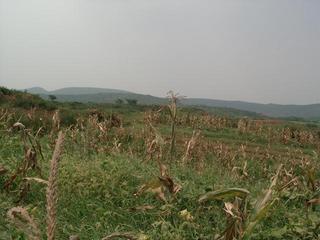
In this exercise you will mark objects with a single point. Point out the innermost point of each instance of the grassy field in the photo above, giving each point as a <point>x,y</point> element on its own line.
<point>134,172</point>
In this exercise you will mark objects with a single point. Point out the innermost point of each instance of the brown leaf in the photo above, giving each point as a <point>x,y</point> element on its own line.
<point>167,182</point>
<point>18,125</point>
<point>163,169</point>
<point>228,208</point>
<point>2,170</point>
<point>159,187</point>
<point>315,201</point>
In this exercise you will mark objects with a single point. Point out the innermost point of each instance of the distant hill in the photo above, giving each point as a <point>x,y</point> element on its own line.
<point>37,90</point>
<point>103,95</point>
<point>111,97</point>
<point>27,100</point>
<point>74,91</point>
<point>311,111</point>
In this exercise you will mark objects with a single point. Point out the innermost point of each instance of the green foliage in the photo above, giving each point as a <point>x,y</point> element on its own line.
<point>225,194</point>
<point>14,98</point>
<point>132,102</point>
<point>6,91</point>
<point>119,101</point>
<point>52,97</point>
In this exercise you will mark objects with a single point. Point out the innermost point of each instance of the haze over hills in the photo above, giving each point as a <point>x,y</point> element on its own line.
<point>104,95</point>
<point>74,90</point>
<point>310,111</point>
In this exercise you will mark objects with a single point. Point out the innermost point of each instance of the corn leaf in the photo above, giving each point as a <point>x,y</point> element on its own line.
<point>224,193</point>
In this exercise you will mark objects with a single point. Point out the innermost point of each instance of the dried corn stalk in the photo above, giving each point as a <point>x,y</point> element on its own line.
<point>52,189</point>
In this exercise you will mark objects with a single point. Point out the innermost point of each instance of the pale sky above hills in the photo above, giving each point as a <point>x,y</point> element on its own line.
<point>252,50</point>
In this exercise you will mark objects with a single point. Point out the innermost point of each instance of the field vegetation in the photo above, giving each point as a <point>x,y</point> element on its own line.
<point>125,171</point>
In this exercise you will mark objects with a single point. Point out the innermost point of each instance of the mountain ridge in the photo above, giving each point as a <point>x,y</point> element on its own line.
<point>106,95</point>
<point>74,90</point>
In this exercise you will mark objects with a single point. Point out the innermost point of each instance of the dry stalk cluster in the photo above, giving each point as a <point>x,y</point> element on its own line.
<point>190,147</point>
<point>97,133</point>
<point>20,217</point>
<point>32,151</point>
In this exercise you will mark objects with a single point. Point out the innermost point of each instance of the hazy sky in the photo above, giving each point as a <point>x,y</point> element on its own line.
<point>254,50</point>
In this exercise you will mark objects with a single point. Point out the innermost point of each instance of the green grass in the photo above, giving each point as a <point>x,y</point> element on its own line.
<point>96,197</point>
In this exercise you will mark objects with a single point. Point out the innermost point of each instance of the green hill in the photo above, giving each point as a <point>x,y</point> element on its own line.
<point>111,97</point>
<point>103,95</point>
<point>15,98</point>
<point>311,111</point>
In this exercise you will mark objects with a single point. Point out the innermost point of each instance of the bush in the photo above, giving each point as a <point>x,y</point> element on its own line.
<point>68,117</point>
<point>6,91</point>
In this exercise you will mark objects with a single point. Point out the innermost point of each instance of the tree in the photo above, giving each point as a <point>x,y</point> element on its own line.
<point>132,102</point>
<point>52,97</point>
<point>119,101</point>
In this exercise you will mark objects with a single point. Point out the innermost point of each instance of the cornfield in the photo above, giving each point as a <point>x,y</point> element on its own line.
<point>163,173</point>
